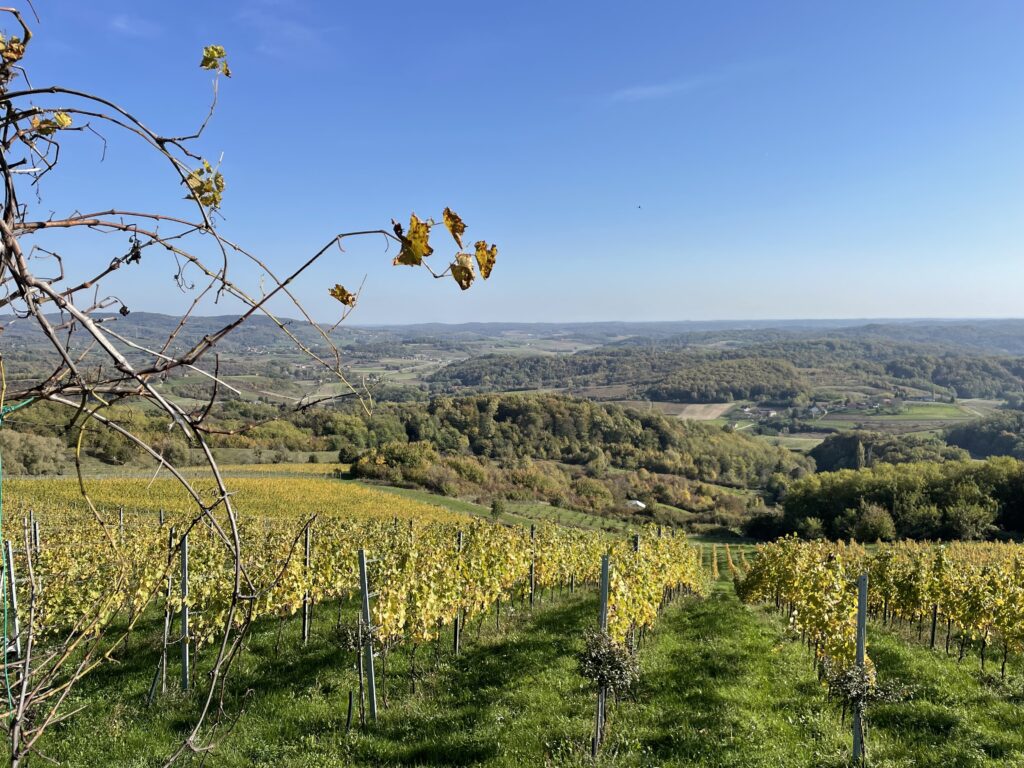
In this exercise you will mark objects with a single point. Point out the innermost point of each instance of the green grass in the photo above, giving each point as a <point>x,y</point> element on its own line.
<point>535,510</point>
<point>956,716</point>
<point>792,442</point>
<point>519,513</point>
<point>722,688</point>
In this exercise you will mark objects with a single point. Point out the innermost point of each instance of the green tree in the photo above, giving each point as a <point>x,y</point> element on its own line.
<point>874,523</point>
<point>498,507</point>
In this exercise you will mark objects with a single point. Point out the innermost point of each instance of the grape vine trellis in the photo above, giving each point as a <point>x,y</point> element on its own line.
<point>950,596</point>
<point>424,582</point>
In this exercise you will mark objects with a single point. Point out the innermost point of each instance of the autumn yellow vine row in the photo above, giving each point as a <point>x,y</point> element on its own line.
<point>95,567</point>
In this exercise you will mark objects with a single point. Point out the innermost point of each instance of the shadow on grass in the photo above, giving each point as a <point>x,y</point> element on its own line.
<point>451,724</point>
<point>699,662</point>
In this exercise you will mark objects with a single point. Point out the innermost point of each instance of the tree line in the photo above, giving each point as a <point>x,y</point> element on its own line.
<point>919,500</point>
<point>771,369</point>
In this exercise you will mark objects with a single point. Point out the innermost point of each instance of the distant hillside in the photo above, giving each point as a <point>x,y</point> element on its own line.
<point>1001,337</point>
<point>763,366</point>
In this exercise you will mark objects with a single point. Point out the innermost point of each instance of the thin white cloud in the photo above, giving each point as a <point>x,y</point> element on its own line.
<point>134,26</point>
<point>658,90</point>
<point>283,36</point>
<point>687,85</point>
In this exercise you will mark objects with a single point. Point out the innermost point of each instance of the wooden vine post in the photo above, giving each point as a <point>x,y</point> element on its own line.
<point>457,630</point>
<point>371,678</point>
<point>13,639</point>
<point>184,614</point>
<point>862,631</point>
<point>307,597</point>
<point>602,693</point>
<point>533,562</point>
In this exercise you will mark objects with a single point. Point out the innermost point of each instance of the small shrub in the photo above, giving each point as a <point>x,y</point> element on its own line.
<point>608,664</point>
<point>498,507</point>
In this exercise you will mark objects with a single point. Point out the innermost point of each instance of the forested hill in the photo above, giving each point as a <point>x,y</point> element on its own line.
<point>577,431</point>
<point>925,500</point>
<point>1001,434</point>
<point>974,337</point>
<point>662,374</point>
<point>566,451</point>
<point>771,369</point>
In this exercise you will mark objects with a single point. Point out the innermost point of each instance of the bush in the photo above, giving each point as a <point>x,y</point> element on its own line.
<point>498,507</point>
<point>25,454</point>
<point>966,520</point>
<point>765,526</point>
<point>608,664</point>
<point>811,528</point>
<point>874,523</point>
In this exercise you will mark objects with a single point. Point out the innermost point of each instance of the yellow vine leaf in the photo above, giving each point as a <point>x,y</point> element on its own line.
<point>215,58</point>
<point>343,295</point>
<point>50,125</point>
<point>206,185</point>
<point>11,49</point>
<point>462,270</point>
<point>455,225</point>
<point>415,243</point>
<point>485,257</point>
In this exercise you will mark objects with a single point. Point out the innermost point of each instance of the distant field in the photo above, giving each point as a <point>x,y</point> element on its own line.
<point>519,513</point>
<point>979,407</point>
<point>610,392</point>
<point>705,411</point>
<point>915,417</point>
<point>793,442</point>
<point>691,411</point>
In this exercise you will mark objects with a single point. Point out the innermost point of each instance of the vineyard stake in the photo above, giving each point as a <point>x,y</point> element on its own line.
<point>362,687</point>
<point>631,638</point>
<point>862,631</point>
<point>602,692</point>
<point>307,598</point>
<point>184,614</point>
<point>371,678</point>
<point>12,594</point>
<point>167,618</point>
<point>533,562</point>
<point>457,631</point>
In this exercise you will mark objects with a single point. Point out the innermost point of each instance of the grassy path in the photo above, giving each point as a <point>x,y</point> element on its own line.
<point>722,687</point>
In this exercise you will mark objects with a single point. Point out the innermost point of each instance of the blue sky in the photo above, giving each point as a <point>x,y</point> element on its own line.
<point>634,161</point>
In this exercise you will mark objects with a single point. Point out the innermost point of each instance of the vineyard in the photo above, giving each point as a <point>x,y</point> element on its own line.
<point>959,593</point>
<point>463,613</point>
<point>104,573</point>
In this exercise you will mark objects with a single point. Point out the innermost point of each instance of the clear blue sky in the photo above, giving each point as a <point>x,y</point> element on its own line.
<point>636,161</point>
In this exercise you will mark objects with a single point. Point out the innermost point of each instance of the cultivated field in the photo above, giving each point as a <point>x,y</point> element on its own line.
<point>692,411</point>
